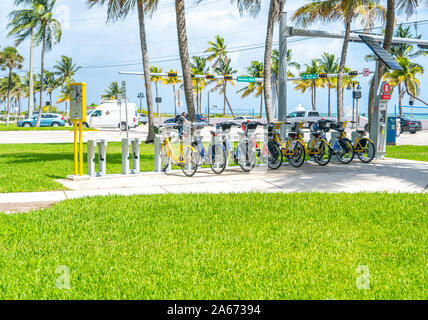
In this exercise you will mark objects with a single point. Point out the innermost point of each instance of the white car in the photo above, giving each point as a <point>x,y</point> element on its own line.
<point>241,120</point>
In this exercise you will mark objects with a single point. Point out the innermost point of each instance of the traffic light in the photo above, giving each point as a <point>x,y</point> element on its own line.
<point>322,75</point>
<point>228,77</point>
<point>172,75</point>
<point>193,76</point>
<point>353,73</point>
<point>209,76</point>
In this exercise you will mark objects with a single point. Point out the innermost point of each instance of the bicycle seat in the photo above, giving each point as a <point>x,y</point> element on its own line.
<point>361,131</point>
<point>340,129</point>
<point>213,133</point>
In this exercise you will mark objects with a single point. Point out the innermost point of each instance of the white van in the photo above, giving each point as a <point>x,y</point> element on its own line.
<point>111,114</point>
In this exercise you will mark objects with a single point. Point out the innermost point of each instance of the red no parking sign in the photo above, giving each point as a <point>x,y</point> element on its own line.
<point>366,72</point>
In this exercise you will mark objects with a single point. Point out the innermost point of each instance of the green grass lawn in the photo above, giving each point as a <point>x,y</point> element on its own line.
<point>235,246</point>
<point>408,152</point>
<point>34,167</point>
<point>14,127</point>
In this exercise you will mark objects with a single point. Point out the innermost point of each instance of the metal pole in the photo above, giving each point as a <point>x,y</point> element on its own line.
<point>358,114</point>
<point>208,106</point>
<point>282,95</point>
<point>353,105</point>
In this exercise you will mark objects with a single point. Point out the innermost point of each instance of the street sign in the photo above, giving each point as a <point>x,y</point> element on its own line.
<point>386,97</point>
<point>353,73</point>
<point>246,79</point>
<point>366,72</point>
<point>386,89</point>
<point>172,75</point>
<point>78,101</point>
<point>209,76</point>
<point>227,77</point>
<point>323,75</point>
<point>309,76</point>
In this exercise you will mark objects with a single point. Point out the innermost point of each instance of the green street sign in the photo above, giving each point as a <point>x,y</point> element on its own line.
<point>309,76</point>
<point>246,79</point>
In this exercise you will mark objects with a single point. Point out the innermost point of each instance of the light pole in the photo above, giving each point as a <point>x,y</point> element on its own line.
<point>356,96</point>
<point>141,96</point>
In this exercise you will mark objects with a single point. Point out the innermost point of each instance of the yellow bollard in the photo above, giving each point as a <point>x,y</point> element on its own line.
<point>81,146</point>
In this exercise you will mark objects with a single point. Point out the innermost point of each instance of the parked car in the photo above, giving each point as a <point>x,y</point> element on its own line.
<point>46,120</point>
<point>199,118</point>
<point>241,120</point>
<point>410,125</point>
<point>142,118</point>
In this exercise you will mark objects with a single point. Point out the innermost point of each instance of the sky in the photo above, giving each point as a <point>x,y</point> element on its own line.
<point>103,50</point>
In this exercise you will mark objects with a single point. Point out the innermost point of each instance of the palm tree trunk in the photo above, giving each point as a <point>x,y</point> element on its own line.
<point>9,85</point>
<point>50,101</point>
<point>315,98</point>
<point>268,61</point>
<point>224,97</point>
<point>146,66</point>
<point>342,63</point>
<point>389,33</point>
<point>400,99</point>
<point>413,96</point>
<point>261,105</point>
<point>230,107</point>
<point>184,57</point>
<point>329,100</point>
<point>31,82</point>
<point>19,106</point>
<point>42,70</point>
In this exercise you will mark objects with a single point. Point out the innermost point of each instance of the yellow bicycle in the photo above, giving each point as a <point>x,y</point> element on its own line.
<point>187,157</point>
<point>318,146</point>
<point>293,149</point>
<point>364,147</point>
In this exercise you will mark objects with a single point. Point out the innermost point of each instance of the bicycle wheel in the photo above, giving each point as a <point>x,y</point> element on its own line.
<point>276,156</point>
<point>324,156</point>
<point>247,160</point>
<point>166,159</point>
<point>368,151</point>
<point>298,159</point>
<point>219,159</point>
<point>190,161</point>
<point>346,154</point>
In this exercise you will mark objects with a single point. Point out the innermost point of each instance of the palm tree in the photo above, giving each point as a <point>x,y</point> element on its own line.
<point>347,11</point>
<point>217,51</point>
<point>406,77</point>
<point>224,68</point>
<point>173,81</point>
<point>10,59</point>
<point>275,12</point>
<point>65,69</point>
<point>184,57</point>
<point>199,67</point>
<point>119,9</point>
<point>47,30</point>
<point>51,85</point>
<point>255,70</point>
<point>156,79</point>
<point>31,35</point>
<point>113,91</point>
<point>329,64</point>
<point>303,85</point>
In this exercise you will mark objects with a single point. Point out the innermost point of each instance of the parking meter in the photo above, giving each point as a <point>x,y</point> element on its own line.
<point>378,130</point>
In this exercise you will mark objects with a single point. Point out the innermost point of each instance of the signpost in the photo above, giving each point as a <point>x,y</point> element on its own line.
<point>78,116</point>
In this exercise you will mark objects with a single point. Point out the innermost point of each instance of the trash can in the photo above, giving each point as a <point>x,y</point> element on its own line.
<point>393,130</point>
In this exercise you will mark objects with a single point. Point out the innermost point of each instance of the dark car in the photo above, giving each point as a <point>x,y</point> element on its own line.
<point>199,118</point>
<point>410,125</point>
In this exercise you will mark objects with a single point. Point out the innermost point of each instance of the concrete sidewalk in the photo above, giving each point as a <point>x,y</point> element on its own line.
<point>390,175</point>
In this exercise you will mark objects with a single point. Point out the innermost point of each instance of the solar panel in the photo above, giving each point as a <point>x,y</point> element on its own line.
<point>381,53</point>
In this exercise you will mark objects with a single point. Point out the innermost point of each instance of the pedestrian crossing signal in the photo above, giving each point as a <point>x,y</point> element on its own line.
<point>172,75</point>
<point>322,75</point>
<point>209,76</point>
<point>353,73</point>
<point>228,77</point>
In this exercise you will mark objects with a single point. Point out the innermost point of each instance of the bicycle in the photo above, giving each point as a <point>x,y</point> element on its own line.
<point>293,148</point>
<point>364,147</point>
<point>215,155</point>
<point>318,146</point>
<point>248,150</point>
<point>187,158</point>
<point>341,146</point>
